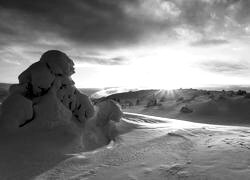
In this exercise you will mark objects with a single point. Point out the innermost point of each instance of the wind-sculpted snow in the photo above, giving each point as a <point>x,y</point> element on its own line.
<point>46,99</point>
<point>174,150</point>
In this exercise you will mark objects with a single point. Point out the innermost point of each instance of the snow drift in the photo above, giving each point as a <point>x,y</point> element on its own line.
<point>159,148</point>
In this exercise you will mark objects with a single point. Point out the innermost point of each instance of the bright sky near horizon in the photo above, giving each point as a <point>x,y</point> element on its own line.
<point>131,43</point>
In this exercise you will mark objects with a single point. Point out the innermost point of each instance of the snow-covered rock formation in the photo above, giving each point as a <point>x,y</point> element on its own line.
<point>46,98</point>
<point>46,95</point>
<point>101,128</point>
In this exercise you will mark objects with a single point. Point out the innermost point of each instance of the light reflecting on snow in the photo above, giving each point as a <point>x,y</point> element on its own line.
<point>147,121</point>
<point>159,122</point>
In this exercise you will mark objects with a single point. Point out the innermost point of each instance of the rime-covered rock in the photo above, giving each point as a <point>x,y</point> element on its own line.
<point>18,88</point>
<point>66,81</point>
<point>46,99</point>
<point>108,110</point>
<point>63,81</point>
<point>25,77</point>
<point>101,129</point>
<point>50,112</point>
<point>16,110</point>
<point>41,78</point>
<point>58,62</point>
<point>186,109</point>
<point>66,95</point>
<point>84,108</point>
<point>44,88</point>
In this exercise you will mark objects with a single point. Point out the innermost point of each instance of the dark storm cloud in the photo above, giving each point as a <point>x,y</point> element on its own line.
<point>98,22</point>
<point>239,68</point>
<point>38,25</point>
<point>210,42</point>
<point>89,21</point>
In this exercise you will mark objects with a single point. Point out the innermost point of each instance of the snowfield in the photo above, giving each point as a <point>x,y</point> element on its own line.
<point>161,148</point>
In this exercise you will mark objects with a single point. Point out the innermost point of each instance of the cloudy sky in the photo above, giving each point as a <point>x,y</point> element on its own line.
<point>134,43</point>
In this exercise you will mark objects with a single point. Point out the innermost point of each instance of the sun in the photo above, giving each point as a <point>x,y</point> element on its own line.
<point>165,68</point>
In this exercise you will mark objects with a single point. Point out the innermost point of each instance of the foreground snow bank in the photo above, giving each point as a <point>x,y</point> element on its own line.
<point>160,148</point>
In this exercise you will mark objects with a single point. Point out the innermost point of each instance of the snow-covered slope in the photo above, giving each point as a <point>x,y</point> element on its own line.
<point>213,107</point>
<point>161,148</point>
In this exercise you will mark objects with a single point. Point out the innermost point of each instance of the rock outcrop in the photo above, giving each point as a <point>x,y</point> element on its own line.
<point>186,109</point>
<point>101,128</point>
<point>46,99</point>
<point>16,110</point>
<point>45,96</point>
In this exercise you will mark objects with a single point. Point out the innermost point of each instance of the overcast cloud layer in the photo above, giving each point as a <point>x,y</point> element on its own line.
<point>84,27</point>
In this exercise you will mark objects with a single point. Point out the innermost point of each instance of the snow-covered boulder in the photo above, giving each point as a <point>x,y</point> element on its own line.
<point>50,112</point>
<point>84,107</point>
<point>186,109</point>
<point>58,62</point>
<point>44,88</point>
<point>50,90</point>
<point>16,110</point>
<point>46,99</point>
<point>25,76</point>
<point>66,95</point>
<point>41,78</point>
<point>101,129</point>
<point>64,80</point>
<point>18,88</point>
<point>108,110</point>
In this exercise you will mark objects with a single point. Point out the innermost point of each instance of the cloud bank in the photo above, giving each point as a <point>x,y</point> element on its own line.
<point>106,23</point>
<point>30,27</point>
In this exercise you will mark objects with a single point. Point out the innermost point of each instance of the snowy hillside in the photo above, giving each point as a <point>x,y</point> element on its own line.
<point>213,107</point>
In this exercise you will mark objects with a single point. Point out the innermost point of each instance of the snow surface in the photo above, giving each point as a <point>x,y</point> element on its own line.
<point>160,148</point>
<point>149,147</point>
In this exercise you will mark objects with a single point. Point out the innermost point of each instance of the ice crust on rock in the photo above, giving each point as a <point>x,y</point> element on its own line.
<point>41,78</point>
<point>50,112</point>
<point>83,112</point>
<point>16,110</point>
<point>101,128</point>
<point>46,98</point>
<point>18,88</point>
<point>108,110</point>
<point>58,62</point>
<point>46,89</point>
